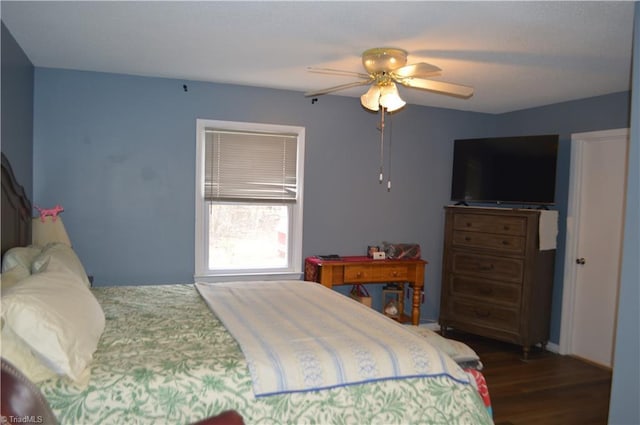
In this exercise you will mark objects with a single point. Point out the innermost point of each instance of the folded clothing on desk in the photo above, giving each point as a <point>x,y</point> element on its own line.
<point>408,251</point>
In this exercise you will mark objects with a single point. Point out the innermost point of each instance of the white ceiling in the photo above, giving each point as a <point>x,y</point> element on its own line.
<point>516,54</point>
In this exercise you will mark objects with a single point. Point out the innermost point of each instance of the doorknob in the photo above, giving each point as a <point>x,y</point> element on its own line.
<point>580,261</point>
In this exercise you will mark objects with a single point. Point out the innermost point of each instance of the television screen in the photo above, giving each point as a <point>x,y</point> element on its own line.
<point>518,170</point>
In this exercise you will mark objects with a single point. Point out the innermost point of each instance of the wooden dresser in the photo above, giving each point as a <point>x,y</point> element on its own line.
<point>495,281</point>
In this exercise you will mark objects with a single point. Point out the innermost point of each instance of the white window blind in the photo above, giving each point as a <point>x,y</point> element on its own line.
<point>250,166</point>
<point>245,166</point>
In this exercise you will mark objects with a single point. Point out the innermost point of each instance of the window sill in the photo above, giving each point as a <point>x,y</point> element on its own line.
<point>248,277</point>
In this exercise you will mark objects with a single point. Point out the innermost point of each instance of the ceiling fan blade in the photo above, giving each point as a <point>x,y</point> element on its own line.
<point>417,70</point>
<point>338,72</point>
<point>340,87</point>
<point>450,89</point>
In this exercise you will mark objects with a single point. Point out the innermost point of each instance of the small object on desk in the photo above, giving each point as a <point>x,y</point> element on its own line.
<point>329,257</point>
<point>372,249</point>
<point>401,250</point>
<point>379,255</point>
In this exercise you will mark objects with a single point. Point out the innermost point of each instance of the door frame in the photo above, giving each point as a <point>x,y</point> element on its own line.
<point>578,141</point>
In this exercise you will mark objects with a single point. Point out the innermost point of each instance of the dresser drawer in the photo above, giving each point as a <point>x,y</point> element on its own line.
<point>493,316</point>
<point>487,266</point>
<point>490,224</point>
<point>505,243</point>
<point>487,291</point>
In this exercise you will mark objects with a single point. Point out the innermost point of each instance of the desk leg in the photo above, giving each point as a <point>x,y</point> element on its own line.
<point>415,311</point>
<point>417,280</point>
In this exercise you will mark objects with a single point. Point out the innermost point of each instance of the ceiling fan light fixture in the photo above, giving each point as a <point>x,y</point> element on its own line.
<point>371,99</point>
<point>390,98</point>
<point>383,59</point>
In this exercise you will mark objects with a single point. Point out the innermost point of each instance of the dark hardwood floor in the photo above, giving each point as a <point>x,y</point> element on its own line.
<point>546,389</point>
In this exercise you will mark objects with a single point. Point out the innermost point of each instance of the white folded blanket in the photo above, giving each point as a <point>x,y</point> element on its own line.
<point>302,336</point>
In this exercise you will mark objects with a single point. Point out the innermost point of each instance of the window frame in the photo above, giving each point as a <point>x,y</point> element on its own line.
<point>294,269</point>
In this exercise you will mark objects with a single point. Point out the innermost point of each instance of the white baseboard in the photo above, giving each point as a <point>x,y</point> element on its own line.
<point>434,326</point>
<point>553,347</point>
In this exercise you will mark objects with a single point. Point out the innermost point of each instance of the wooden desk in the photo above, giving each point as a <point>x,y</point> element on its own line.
<point>350,270</point>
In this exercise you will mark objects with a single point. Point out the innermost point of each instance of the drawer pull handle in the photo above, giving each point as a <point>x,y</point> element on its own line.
<point>359,274</point>
<point>467,238</point>
<point>468,224</point>
<point>506,227</point>
<point>486,267</point>
<point>482,313</point>
<point>394,273</point>
<point>505,242</point>
<point>485,291</point>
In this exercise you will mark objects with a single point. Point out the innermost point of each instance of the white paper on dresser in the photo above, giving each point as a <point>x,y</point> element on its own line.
<point>548,229</point>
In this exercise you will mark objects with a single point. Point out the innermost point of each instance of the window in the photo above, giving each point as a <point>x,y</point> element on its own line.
<point>249,180</point>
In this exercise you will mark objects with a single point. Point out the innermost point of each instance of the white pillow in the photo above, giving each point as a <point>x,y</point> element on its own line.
<point>20,256</point>
<point>60,257</point>
<point>57,318</point>
<point>48,230</point>
<point>12,276</point>
<point>18,353</point>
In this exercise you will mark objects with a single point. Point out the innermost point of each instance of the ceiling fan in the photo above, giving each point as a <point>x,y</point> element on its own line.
<point>384,67</point>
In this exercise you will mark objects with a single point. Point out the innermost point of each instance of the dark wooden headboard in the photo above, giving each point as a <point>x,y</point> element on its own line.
<point>16,210</point>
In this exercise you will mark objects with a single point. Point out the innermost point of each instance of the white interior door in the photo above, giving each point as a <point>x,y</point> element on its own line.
<point>599,171</point>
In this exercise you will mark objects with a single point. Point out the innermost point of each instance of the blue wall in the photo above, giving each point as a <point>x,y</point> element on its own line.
<point>118,153</point>
<point>625,387</point>
<point>17,109</point>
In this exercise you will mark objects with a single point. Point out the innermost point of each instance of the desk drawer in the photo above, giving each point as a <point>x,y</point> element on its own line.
<point>378,273</point>
<point>393,273</point>
<point>490,224</point>
<point>505,243</point>
<point>359,274</point>
<point>488,266</point>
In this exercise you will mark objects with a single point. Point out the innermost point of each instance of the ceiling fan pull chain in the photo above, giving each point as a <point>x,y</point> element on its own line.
<point>381,177</point>
<point>390,144</point>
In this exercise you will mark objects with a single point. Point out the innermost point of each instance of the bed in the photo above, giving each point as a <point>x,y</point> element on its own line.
<point>166,353</point>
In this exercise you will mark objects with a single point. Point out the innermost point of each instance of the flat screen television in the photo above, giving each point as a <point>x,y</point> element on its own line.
<point>510,170</point>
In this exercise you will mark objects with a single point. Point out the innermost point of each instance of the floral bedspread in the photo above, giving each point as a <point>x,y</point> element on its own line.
<point>165,358</point>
